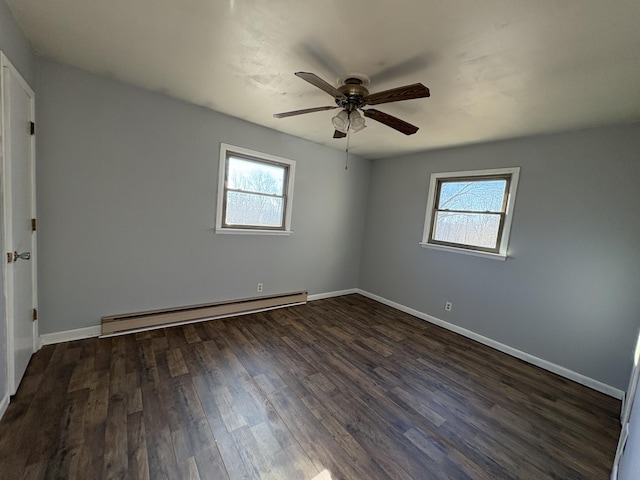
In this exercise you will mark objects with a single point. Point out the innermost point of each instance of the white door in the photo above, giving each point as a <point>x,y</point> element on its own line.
<point>18,182</point>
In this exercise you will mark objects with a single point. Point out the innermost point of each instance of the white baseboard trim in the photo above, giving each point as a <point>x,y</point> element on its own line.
<point>337,293</point>
<point>70,335</point>
<point>4,404</point>
<point>539,362</point>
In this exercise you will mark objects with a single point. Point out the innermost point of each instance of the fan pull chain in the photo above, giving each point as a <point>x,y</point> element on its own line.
<point>346,161</point>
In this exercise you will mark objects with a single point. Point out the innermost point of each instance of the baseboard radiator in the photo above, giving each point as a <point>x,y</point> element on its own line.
<point>131,322</point>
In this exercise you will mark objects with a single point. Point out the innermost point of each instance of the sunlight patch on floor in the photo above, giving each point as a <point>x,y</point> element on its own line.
<point>323,475</point>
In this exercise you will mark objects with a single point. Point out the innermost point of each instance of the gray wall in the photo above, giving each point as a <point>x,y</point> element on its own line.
<point>15,45</point>
<point>18,50</point>
<point>569,293</point>
<point>127,183</point>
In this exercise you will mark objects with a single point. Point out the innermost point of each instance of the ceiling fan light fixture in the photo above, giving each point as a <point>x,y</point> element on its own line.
<point>357,122</point>
<point>341,121</point>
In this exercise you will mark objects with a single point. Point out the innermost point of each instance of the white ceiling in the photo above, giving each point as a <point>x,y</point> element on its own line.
<point>496,68</point>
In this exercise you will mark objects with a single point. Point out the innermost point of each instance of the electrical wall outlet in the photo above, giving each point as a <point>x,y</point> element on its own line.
<point>259,287</point>
<point>447,306</point>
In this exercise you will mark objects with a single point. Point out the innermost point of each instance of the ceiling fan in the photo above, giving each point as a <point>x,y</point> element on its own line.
<point>351,95</point>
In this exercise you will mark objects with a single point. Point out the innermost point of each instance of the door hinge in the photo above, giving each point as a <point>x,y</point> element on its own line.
<point>33,128</point>
<point>9,257</point>
<point>35,314</point>
<point>34,224</point>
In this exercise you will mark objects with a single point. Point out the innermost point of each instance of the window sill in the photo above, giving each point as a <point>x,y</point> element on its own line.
<point>251,231</point>
<point>464,251</point>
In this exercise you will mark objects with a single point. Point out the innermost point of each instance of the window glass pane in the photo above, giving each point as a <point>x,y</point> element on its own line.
<point>478,229</point>
<point>254,210</point>
<point>255,177</point>
<point>474,196</point>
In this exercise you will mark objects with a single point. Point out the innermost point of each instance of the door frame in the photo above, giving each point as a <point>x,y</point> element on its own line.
<point>634,379</point>
<point>6,213</point>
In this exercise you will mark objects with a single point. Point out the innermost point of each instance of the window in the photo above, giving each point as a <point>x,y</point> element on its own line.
<point>471,212</point>
<point>255,192</point>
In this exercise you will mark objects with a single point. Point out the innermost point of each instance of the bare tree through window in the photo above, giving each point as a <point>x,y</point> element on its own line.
<point>471,210</point>
<point>255,193</point>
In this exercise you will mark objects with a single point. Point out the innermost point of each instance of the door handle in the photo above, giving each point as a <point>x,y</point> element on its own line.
<point>23,256</point>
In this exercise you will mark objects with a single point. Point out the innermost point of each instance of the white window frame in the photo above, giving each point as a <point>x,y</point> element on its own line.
<point>225,151</point>
<point>513,172</point>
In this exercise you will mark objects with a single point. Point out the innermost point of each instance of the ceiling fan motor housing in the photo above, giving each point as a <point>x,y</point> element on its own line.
<point>355,91</point>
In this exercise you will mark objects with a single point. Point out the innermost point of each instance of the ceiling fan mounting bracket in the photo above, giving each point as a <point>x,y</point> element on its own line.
<point>350,77</point>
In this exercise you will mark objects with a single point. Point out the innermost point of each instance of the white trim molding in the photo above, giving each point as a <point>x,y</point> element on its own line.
<point>445,248</point>
<point>634,379</point>
<point>4,404</point>
<point>70,335</point>
<point>337,293</point>
<point>539,362</point>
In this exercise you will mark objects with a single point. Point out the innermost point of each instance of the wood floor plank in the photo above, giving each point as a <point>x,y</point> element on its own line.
<point>64,461</point>
<point>48,406</point>
<point>186,416</point>
<point>224,451</point>
<point>161,455</point>
<point>137,457</point>
<point>338,389</point>
<point>314,439</point>
<point>116,461</point>
<point>188,469</point>
<point>210,464</point>
<point>92,451</point>
<point>293,462</point>
<point>176,362</point>
<point>148,366</point>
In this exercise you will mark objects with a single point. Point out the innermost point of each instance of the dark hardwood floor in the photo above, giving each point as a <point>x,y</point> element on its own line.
<point>343,388</point>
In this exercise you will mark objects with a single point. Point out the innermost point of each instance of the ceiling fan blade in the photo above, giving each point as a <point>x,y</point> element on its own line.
<point>408,92</point>
<point>391,121</point>
<point>303,111</point>
<point>339,134</point>
<point>316,81</point>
